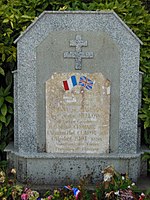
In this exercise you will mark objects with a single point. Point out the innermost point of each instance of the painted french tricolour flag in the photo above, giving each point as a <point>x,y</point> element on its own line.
<point>70,83</point>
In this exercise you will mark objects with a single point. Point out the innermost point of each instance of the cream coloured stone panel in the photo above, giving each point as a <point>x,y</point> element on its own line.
<point>77,121</point>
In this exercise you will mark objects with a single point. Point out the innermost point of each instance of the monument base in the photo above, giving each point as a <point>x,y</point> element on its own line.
<point>59,170</point>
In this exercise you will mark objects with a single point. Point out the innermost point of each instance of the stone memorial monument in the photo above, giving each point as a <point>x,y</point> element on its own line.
<point>76,95</point>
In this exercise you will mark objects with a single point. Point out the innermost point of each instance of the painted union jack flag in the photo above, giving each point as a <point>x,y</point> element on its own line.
<point>85,82</point>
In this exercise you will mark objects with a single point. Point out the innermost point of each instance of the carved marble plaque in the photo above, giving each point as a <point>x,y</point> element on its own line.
<point>77,120</point>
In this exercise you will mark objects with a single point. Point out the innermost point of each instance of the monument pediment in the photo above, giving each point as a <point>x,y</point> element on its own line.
<point>114,21</point>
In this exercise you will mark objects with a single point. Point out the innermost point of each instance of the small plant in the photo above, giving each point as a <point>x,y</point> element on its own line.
<point>8,187</point>
<point>117,186</point>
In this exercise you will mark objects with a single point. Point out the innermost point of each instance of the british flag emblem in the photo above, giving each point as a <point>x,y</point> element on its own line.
<point>86,82</point>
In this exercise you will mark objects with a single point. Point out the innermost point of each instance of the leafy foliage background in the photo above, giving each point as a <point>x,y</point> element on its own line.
<point>15,17</point>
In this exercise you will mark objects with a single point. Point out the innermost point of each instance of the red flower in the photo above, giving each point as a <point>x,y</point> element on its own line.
<point>142,196</point>
<point>24,196</point>
<point>50,197</point>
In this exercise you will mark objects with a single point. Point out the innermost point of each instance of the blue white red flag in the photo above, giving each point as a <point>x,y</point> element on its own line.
<point>76,191</point>
<point>70,83</point>
<point>68,187</point>
<point>85,82</point>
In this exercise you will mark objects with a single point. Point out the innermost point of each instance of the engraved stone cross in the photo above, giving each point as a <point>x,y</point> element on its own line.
<point>78,55</point>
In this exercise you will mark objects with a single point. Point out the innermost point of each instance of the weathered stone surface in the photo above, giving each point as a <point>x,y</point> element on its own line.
<point>77,121</point>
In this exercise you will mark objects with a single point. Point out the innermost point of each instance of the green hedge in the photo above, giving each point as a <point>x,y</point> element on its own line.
<point>15,17</point>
